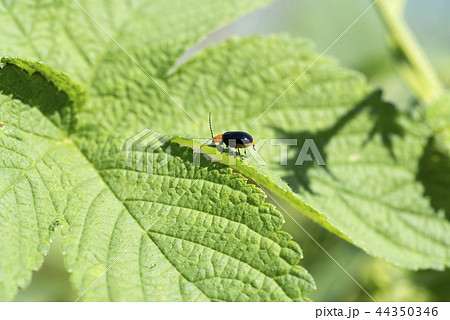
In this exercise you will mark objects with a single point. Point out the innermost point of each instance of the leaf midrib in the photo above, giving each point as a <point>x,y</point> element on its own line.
<point>174,205</point>
<point>69,141</point>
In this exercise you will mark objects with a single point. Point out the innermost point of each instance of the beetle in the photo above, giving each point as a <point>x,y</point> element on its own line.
<point>232,139</point>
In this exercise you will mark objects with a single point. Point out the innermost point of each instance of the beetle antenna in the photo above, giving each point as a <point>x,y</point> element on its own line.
<point>210,126</point>
<point>210,129</point>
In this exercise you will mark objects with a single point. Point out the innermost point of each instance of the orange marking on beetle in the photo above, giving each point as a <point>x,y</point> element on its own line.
<point>218,138</point>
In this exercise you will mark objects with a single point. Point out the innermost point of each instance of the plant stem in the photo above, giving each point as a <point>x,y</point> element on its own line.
<point>412,61</point>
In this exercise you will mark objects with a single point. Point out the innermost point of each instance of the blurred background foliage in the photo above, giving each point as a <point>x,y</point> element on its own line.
<point>363,48</point>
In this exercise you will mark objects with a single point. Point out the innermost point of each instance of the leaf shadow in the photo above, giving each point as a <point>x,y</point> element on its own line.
<point>434,175</point>
<point>385,124</point>
<point>37,91</point>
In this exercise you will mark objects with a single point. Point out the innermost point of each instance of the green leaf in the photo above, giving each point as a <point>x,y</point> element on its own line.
<point>156,33</point>
<point>368,189</point>
<point>38,165</point>
<point>181,232</point>
<point>220,241</point>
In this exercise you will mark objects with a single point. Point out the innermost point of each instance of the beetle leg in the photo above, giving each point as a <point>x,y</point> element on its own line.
<point>254,148</point>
